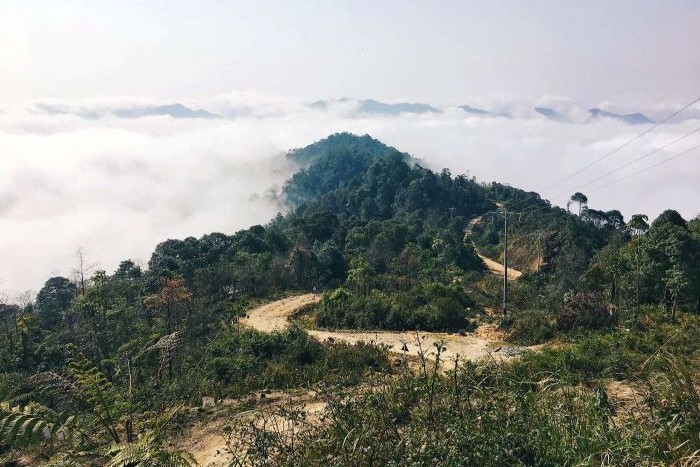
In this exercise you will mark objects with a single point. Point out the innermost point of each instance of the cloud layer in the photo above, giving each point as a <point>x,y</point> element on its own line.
<point>81,175</point>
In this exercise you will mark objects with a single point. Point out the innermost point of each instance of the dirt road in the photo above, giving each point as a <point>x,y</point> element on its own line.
<point>276,316</point>
<point>494,267</point>
<point>205,437</point>
<point>498,269</point>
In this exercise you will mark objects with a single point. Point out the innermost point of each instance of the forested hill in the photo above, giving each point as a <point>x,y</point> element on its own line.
<point>360,208</point>
<point>390,245</point>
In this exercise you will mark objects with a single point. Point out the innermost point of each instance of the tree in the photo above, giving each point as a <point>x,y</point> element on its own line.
<point>615,219</point>
<point>81,270</point>
<point>331,264</point>
<point>670,256</point>
<point>580,199</point>
<point>408,264</point>
<point>638,224</point>
<point>53,300</point>
<point>238,311</point>
<point>172,294</point>
<point>360,275</point>
<point>301,263</point>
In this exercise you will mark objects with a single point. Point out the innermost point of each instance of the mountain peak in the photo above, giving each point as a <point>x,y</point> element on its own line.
<point>631,119</point>
<point>551,114</point>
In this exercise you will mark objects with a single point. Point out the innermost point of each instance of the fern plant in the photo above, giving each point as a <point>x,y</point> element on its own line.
<point>147,451</point>
<point>37,424</point>
<point>31,424</point>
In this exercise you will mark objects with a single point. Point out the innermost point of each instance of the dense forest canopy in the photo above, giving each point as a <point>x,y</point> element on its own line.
<point>392,245</point>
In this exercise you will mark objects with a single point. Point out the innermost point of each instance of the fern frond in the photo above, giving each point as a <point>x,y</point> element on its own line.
<point>97,392</point>
<point>147,451</point>
<point>19,428</point>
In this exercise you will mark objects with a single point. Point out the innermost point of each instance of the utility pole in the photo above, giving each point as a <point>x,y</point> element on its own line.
<point>637,315</point>
<point>505,262</point>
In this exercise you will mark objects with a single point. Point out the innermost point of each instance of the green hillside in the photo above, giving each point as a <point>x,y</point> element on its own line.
<point>91,371</point>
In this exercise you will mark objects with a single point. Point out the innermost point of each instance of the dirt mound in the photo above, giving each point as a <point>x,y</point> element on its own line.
<point>491,332</point>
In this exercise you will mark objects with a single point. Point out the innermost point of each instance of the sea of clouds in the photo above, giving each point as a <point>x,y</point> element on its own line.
<point>76,175</point>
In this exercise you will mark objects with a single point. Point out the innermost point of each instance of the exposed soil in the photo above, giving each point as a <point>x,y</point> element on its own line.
<point>624,396</point>
<point>498,269</point>
<point>494,267</point>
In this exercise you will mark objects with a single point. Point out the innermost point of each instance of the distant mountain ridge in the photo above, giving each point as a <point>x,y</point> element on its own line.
<point>474,110</point>
<point>175,110</point>
<point>568,113</point>
<point>483,113</point>
<point>376,107</point>
<point>373,106</point>
<point>552,114</point>
<point>631,119</point>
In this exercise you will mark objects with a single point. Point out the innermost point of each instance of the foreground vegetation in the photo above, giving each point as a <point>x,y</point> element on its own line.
<point>548,408</point>
<point>96,368</point>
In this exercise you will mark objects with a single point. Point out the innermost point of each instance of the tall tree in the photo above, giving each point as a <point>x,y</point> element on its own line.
<point>580,199</point>
<point>53,300</point>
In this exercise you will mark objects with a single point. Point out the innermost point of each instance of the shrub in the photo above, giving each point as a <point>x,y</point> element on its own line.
<point>529,327</point>
<point>429,307</point>
<point>249,360</point>
<point>584,310</point>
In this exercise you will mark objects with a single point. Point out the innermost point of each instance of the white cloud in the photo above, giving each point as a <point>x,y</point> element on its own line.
<point>117,187</point>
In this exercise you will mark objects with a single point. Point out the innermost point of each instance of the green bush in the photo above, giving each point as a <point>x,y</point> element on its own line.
<point>584,310</point>
<point>429,307</point>
<point>250,360</point>
<point>529,327</point>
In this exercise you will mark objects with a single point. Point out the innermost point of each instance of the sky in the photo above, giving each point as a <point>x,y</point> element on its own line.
<point>115,187</point>
<point>437,51</point>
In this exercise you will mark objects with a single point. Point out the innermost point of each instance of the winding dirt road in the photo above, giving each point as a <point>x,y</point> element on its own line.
<point>276,316</point>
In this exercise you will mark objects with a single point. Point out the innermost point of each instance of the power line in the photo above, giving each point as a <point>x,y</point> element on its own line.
<point>608,154</point>
<point>648,168</point>
<point>624,166</point>
<point>604,156</point>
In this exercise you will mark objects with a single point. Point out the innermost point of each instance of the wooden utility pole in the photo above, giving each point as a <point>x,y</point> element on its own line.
<point>505,262</point>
